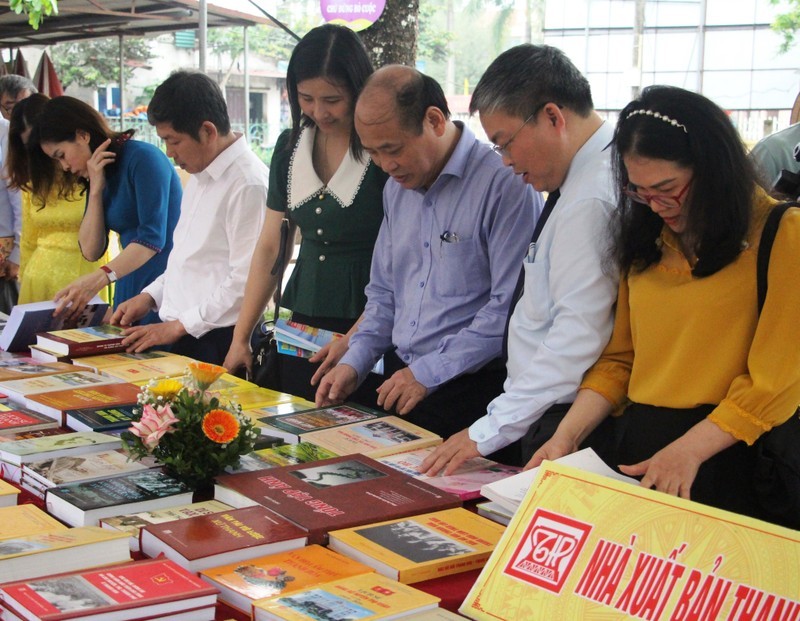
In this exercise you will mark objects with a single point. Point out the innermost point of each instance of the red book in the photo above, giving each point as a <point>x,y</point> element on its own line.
<point>152,588</point>
<point>205,541</point>
<point>333,493</point>
<point>88,341</point>
<point>56,403</point>
<point>18,420</point>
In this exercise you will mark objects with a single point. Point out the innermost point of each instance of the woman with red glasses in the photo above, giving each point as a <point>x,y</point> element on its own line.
<point>702,373</point>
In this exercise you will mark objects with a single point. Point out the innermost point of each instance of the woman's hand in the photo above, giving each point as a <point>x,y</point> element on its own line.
<point>96,164</point>
<point>239,355</point>
<point>73,298</point>
<point>554,448</point>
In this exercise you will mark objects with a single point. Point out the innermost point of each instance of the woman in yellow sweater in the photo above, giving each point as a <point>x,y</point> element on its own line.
<point>50,257</point>
<point>704,373</point>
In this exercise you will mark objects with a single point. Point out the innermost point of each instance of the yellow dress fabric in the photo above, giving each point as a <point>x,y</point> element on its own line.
<point>680,341</point>
<point>50,257</point>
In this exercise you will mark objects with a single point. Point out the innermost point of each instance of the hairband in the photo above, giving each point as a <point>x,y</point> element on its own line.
<point>658,115</point>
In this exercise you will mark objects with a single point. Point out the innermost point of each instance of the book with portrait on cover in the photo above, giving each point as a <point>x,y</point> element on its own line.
<point>156,588</point>
<point>229,536</point>
<point>242,583</point>
<point>333,493</point>
<point>84,503</point>
<point>421,547</point>
<point>366,597</point>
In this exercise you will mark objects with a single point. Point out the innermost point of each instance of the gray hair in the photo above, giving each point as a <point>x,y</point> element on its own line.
<point>13,85</point>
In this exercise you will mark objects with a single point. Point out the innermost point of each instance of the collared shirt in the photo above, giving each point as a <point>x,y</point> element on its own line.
<point>445,266</point>
<point>565,316</point>
<point>222,212</point>
<point>10,199</point>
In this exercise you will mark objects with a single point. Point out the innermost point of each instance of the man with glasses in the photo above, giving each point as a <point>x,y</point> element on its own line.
<point>456,223</point>
<point>537,109</point>
<point>13,88</point>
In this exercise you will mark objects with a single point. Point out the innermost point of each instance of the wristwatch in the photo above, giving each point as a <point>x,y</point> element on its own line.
<point>111,274</point>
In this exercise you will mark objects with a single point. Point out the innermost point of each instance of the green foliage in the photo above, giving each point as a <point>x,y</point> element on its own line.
<point>95,62</point>
<point>433,42</point>
<point>787,24</point>
<point>36,10</point>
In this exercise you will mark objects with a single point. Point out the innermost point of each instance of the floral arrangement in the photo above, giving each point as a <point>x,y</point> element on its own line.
<point>186,428</point>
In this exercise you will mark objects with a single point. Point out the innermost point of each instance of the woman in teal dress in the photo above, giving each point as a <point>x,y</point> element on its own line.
<point>132,189</point>
<point>325,184</point>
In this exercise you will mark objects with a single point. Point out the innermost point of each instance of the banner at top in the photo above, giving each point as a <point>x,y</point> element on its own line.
<point>355,15</point>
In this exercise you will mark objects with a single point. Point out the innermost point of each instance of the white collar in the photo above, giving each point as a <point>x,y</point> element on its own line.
<point>304,183</point>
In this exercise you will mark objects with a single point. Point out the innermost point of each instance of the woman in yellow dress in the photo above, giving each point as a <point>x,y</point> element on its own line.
<point>50,257</point>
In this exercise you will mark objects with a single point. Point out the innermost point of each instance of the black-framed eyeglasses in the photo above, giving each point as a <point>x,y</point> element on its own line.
<point>660,199</point>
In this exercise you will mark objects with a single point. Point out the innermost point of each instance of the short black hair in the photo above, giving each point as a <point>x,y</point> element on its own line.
<point>186,100</point>
<point>525,77</point>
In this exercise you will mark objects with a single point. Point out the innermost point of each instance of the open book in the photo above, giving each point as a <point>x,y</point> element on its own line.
<point>510,491</point>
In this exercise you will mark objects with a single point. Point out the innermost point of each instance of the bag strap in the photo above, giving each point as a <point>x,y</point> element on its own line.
<point>765,248</point>
<point>280,266</point>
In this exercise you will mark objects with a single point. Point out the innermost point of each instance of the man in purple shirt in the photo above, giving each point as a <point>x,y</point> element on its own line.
<point>456,226</point>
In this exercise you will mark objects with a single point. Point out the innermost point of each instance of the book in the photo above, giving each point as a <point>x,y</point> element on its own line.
<point>230,536</point>
<point>142,589</point>
<point>27,519</point>
<point>145,370</point>
<point>292,426</point>
<point>240,584</point>
<point>421,547</point>
<point>333,493</point>
<point>31,556</point>
<point>85,341</point>
<point>8,494</point>
<point>466,481</point>
<point>13,436</point>
<point>26,320</point>
<point>132,523</point>
<point>18,390</point>
<point>14,420</point>
<point>21,368</point>
<point>304,340</point>
<point>48,473</point>
<point>57,403</point>
<point>510,491</point>
<point>40,354</point>
<point>84,503</point>
<point>374,438</point>
<point>100,362</point>
<point>102,419</point>
<point>494,511</point>
<point>283,455</point>
<point>364,597</point>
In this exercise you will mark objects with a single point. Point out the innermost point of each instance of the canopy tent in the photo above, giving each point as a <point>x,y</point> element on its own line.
<point>91,19</point>
<point>46,79</point>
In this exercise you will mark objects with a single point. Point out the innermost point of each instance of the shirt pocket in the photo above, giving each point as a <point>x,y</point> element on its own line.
<point>536,300</point>
<point>461,269</point>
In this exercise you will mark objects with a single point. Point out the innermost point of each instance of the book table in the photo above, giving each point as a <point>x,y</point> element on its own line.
<point>450,589</point>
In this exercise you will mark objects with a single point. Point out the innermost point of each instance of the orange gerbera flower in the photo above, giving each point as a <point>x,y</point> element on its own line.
<point>205,374</point>
<point>220,426</point>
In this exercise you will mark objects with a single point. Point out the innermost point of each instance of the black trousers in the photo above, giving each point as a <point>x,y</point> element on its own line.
<point>212,347</point>
<point>724,481</point>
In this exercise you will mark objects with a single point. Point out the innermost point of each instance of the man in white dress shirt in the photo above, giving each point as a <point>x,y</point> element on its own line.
<point>536,107</point>
<point>199,295</point>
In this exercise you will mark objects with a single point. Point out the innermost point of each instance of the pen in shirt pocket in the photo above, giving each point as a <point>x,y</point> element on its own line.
<point>531,256</point>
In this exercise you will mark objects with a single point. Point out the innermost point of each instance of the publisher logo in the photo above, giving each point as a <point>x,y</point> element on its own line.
<point>548,550</point>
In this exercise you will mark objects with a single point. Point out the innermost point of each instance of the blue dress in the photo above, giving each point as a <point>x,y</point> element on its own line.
<point>141,201</point>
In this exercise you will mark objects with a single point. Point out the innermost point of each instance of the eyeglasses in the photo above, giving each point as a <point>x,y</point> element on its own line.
<point>659,199</point>
<point>502,149</point>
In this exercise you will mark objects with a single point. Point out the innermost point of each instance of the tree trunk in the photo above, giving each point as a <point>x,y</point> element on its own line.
<point>393,38</point>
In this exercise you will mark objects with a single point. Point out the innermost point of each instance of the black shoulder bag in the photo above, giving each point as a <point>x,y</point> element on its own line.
<point>266,364</point>
<point>777,468</point>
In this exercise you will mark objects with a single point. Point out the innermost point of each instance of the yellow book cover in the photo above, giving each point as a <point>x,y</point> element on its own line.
<point>8,494</point>
<point>584,546</point>
<point>421,547</point>
<point>88,334</point>
<point>240,584</point>
<point>36,555</point>
<point>21,520</point>
<point>374,438</point>
<point>144,370</point>
<point>252,396</point>
<point>365,597</point>
<point>105,361</point>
